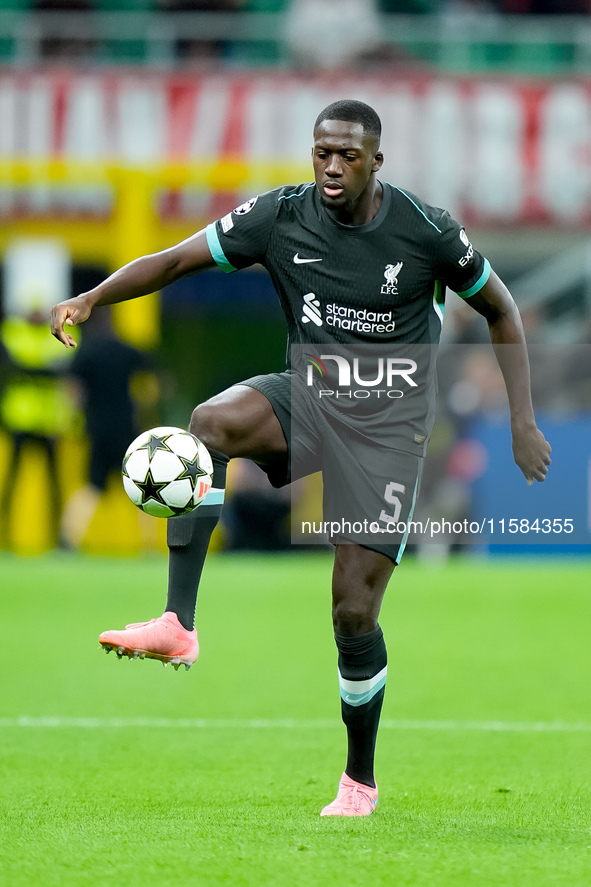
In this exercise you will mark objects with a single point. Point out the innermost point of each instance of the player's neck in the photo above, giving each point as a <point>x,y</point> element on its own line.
<point>365,208</point>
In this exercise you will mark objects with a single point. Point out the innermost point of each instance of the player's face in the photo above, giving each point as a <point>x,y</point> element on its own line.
<point>344,161</point>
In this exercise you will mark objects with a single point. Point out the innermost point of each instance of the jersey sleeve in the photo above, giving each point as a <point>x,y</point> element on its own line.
<point>457,264</point>
<point>240,238</point>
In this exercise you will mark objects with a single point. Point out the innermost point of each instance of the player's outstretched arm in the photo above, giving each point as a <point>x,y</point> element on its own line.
<point>140,277</point>
<point>530,448</point>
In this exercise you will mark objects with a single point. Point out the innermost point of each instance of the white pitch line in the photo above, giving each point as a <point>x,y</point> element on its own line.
<point>288,724</point>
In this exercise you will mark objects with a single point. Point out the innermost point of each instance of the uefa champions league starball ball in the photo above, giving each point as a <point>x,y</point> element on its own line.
<point>167,471</point>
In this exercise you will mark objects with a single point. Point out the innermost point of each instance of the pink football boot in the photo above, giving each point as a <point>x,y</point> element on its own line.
<point>353,799</point>
<point>163,638</point>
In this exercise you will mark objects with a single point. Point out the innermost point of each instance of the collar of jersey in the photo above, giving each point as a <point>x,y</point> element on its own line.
<point>369,226</point>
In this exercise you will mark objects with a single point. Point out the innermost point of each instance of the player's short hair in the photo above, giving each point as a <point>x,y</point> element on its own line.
<point>353,111</point>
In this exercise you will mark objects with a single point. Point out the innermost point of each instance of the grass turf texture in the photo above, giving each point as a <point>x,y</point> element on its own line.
<point>238,804</point>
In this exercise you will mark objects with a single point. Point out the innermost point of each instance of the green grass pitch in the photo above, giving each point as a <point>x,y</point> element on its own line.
<point>129,773</point>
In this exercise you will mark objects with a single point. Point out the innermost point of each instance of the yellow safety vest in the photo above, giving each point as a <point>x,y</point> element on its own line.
<point>31,403</point>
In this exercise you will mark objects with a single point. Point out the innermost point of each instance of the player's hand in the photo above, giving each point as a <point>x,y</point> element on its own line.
<point>531,452</point>
<point>68,313</point>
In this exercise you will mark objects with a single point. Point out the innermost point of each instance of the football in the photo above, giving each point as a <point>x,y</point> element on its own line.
<point>167,471</point>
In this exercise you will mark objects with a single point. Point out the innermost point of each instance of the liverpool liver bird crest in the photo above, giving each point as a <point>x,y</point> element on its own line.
<point>391,273</point>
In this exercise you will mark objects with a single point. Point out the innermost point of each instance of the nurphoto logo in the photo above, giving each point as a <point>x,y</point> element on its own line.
<point>388,371</point>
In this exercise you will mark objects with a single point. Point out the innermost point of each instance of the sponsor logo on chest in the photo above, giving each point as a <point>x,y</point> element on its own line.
<point>311,310</point>
<point>362,320</point>
<point>344,317</point>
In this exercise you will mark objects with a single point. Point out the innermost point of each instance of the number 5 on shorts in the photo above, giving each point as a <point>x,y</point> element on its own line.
<point>392,499</point>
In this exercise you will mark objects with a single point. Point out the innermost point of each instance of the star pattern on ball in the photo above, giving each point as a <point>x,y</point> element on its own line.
<point>126,459</point>
<point>192,470</point>
<point>151,490</point>
<point>155,443</point>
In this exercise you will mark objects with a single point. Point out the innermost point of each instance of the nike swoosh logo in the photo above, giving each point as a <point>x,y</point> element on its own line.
<point>358,699</point>
<point>299,261</point>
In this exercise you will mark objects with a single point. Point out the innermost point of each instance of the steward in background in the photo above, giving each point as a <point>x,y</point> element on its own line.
<point>35,407</point>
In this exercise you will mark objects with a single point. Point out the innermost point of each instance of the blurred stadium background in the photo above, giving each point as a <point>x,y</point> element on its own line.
<point>129,124</point>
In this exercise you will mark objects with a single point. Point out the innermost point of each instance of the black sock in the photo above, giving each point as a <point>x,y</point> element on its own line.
<point>188,539</point>
<point>362,676</point>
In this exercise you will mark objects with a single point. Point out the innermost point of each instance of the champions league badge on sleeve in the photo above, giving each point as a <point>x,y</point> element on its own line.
<point>245,208</point>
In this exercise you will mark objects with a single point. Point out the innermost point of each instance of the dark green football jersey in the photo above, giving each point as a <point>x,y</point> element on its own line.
<point>379,282</point>
<point>364,304</point>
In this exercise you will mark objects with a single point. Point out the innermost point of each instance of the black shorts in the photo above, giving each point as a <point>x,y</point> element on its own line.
<point>370,490</point>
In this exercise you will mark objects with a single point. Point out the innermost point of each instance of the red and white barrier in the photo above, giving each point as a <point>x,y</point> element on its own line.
<point>493,152</point>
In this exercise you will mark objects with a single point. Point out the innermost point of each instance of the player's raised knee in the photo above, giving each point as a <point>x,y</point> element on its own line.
<point>222,425</point>
<point>209,424</point>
